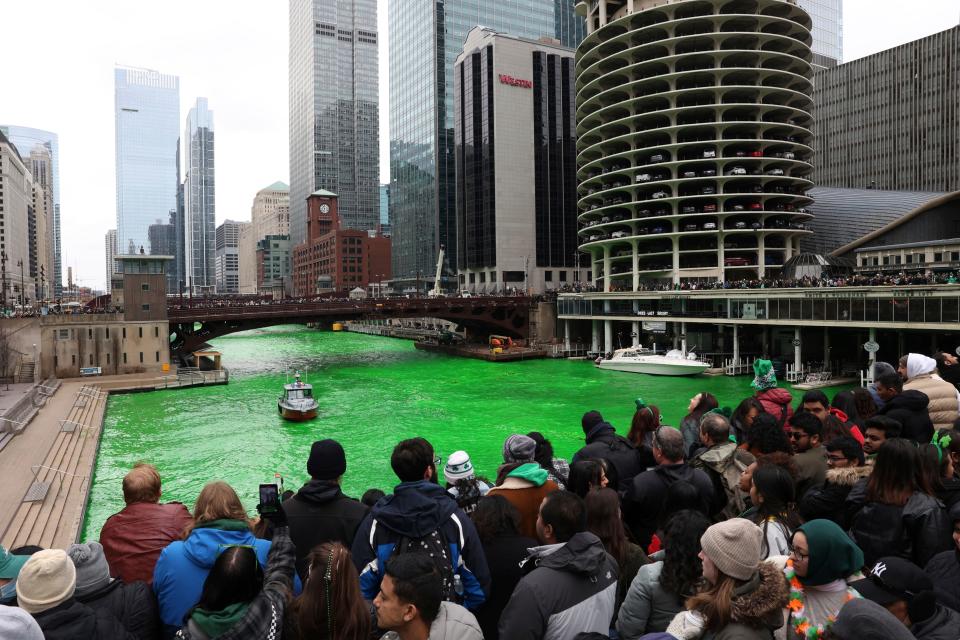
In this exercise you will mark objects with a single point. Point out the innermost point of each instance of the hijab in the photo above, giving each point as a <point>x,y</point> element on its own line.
<point>919,364</point>
<point>833,555</point>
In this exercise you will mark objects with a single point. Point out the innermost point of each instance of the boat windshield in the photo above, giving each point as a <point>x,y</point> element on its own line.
<point>298,394</point>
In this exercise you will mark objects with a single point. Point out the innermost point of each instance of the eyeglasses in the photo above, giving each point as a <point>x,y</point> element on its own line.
<point>799,556</point>
<point>834,459</point>
<point>797,435</point>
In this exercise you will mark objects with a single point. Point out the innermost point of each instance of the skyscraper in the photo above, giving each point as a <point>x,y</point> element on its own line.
<point>227,256</point>
<point>827,16</point>
<point>26,139</point>
<point>334,111</point>
<point>147,105</point>
<point>425,40</point>
<point>199,197</point>
<point>110,252</point>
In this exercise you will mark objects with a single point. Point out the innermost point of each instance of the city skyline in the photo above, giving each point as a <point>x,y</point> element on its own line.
<point>247,84</point>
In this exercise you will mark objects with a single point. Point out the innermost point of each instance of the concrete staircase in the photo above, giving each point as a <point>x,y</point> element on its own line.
<point>25,372</point>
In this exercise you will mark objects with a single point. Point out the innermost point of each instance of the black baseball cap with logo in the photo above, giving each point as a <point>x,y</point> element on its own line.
<point>892,579</point>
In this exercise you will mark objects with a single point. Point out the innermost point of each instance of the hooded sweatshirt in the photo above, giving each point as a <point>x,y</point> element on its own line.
<point>643,501</point>
<point>944,397</point>
<point>416,510</point>
<point>525,488</point>
<point>909,408</point>
<point>453,622</point>
<point>183,566</point>
<point>319,513</point>
<point>571,589</point>
<point>623,457</point>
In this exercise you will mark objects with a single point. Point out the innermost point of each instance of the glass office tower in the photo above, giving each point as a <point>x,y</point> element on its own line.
<point>334,112</point>
<point>147,105</point>
<point>827,16</point>
<point>425,40</point>
<point>199,197</point>
<point>25,139</point>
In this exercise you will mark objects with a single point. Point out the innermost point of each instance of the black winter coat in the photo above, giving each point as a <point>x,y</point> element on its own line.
<point>625,460</point>
<point>320,513</point>
<point>944,571</point>
<point>504,555</point>
<point>134,605</point>
<point>643,502</point>
<point>916,531</point>
<point>72,620</point>
<point>943,625</point>
<point>909,408</point>
<point>829,501</point>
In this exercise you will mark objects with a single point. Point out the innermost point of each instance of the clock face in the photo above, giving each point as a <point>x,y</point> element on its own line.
<point>324,208</point>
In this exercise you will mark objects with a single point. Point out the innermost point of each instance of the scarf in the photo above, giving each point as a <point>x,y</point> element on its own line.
<point>833,555</point>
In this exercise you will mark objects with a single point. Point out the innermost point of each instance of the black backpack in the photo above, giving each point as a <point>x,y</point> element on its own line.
<point>435,545</point>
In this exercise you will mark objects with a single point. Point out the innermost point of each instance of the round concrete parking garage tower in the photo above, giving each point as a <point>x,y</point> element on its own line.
<point>693,139</point>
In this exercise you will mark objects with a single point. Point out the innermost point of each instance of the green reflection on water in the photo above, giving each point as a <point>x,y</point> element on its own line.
<point>373,392</point>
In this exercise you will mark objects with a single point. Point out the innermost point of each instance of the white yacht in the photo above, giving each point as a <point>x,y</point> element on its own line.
<point>640,360</point>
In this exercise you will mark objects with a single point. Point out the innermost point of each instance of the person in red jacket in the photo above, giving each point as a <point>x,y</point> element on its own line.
<point>775,401</point>
<point>133,538</point>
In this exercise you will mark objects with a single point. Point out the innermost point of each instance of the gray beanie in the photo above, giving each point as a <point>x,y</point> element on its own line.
<point>519,448</point>
<point>93,572</point>
<point>734,546</point>
<point>17,624</point>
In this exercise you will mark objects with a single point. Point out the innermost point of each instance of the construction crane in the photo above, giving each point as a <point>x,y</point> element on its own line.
<point>436,292</point>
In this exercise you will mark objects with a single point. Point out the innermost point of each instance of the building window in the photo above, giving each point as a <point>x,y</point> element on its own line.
<point>156,332</point>
<point>563,276</point>
<point>56,361</point>
<point>90,334</point>
<point>140,329</point>
<point>141,357</point>
<point>909,258</point>
<point>158,356</point>
<point>107,330</point>
<point>144,286</point>
<point>124,333</point>
<point>63,334</point>
<point>108,358</point>
<point>938,257</point>
<point>73,359</point>
<point>91,359</point>
<point>124,357</point>
<point>548,276</point>
<point>145,307</point>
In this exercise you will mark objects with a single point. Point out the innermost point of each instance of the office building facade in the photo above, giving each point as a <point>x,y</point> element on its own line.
<point>694,141</point>
<point>269,215</point>
<point>199,194</point>
<point>827,31</point>
<point>891,120</point>
<point>110,253</point>
<point>385,209</point>
<point>425,40</point>
<point>272,269</point>
<point>514,127</point>
<point>16,211</point>
<point>30,141</point>
<point>227,259</point>
<point>164,242</point>
<point>334,112</point>
<point>147,122</point>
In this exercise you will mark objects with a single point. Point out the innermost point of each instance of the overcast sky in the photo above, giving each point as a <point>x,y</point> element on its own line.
<point>57,74</point>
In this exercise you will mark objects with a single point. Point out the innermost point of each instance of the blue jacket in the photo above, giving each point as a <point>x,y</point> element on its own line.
<point>415,510</point>
<point>183,567</point>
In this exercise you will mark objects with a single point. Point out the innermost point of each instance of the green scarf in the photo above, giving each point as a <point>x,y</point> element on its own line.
<point>217,623</point>
<point>530,471</point>
<point>833,555</point>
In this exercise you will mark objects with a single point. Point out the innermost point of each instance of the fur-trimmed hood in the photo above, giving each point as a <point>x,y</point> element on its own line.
<point>848,476</point>
<point>759,603</point>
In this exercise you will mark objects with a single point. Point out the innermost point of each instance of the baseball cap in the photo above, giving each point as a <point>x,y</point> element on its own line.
<point>892,579</point>
<point>10,564</point>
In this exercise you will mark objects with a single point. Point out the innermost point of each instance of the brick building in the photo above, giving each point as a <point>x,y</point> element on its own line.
<point>335,259</point>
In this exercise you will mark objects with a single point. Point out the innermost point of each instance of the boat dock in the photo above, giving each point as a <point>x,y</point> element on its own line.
<point>482,352</point>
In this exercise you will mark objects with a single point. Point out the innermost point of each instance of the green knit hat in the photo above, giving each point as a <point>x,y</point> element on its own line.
<point>764,375</point>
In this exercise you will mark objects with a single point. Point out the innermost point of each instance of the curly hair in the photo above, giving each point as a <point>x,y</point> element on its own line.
<point>495,516</point>
<point>682,568</point>
<point>766,436</point>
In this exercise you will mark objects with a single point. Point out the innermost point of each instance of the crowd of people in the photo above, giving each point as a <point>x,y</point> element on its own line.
<point>783,517</point>
<point>858,280</point>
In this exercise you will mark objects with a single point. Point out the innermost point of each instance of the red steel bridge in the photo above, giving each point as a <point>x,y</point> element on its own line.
<point>198,321</point>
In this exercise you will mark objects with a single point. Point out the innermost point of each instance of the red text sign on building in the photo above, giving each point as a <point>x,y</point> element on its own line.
<point>515,82</point>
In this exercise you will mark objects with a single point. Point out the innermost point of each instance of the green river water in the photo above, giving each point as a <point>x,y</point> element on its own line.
<point>372,392</point>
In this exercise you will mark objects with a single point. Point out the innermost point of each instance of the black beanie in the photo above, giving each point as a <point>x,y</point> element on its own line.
<point>327,460</point>
<point>590,420</point>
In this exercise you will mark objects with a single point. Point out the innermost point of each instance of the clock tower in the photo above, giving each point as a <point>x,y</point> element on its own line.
<point>322,217</point>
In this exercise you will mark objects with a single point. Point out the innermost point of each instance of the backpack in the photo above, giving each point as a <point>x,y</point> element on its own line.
<point>726,481</point>
<point>436,545</point>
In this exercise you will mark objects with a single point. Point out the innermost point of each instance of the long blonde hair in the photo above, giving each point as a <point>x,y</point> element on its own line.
<point>217,501</point>
<point>715,602</point>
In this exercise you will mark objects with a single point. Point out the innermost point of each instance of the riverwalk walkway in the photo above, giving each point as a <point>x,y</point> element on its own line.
<point>48,466</point>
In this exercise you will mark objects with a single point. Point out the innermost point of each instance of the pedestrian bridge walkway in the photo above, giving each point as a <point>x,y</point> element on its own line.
<point>48,469</point>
